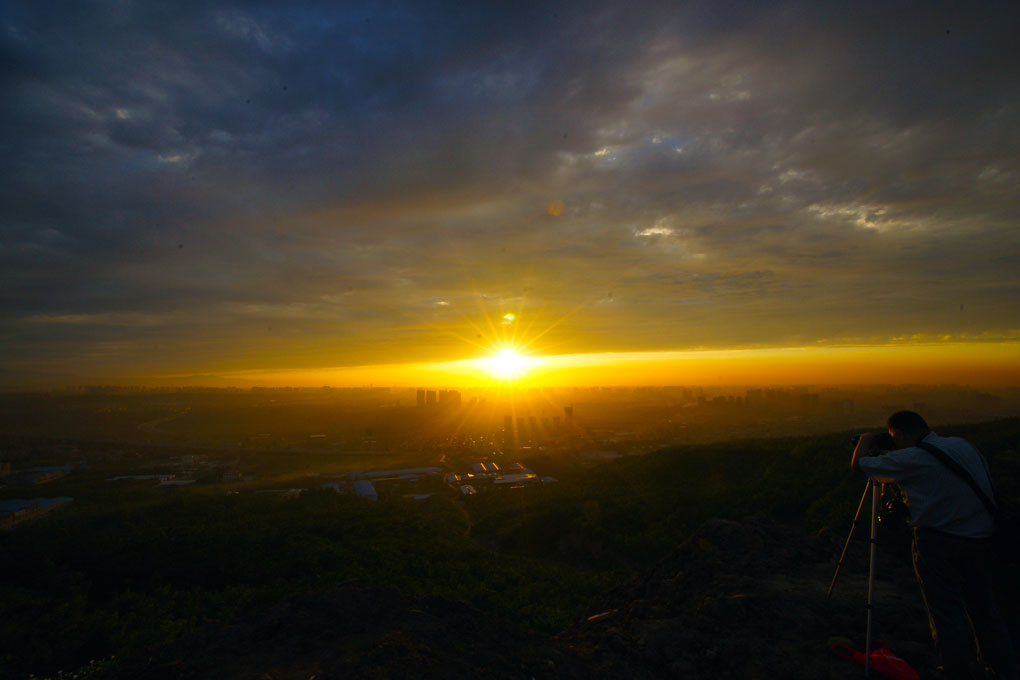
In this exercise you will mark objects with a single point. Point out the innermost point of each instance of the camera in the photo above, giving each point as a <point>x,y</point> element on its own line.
<point>881,441</point>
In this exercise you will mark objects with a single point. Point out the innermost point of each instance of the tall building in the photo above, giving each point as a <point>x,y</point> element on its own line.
<point>449,398</point>
<point>421,398</point>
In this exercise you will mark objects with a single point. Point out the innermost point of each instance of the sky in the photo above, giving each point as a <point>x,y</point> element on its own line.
<point>251,192</point>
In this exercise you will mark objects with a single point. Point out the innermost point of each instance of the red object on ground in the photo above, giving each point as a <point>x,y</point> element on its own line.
<point>883,661</point>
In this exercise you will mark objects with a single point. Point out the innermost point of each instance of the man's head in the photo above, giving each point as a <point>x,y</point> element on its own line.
<point>907,428</point>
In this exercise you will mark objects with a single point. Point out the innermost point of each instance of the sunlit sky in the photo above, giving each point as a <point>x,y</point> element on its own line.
<point>352,193</point>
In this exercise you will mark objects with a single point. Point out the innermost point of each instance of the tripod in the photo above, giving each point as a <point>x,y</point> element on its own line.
<point>876,493</point>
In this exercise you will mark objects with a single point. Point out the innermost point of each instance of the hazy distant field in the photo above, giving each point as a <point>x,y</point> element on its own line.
<point>383,418</point>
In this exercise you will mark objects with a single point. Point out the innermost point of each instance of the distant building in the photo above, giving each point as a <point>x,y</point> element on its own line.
<point>404,473</point>
<point>807,400</point>
<point>843,406</point>
<point>365,489</point>
<point>19,510</point>
<point>42,474</point>
<point>420,395</point>
<point>984,400</point>
<point>162,478</point>
<point>521,478</point>
<point>449,398</point>
<point>430,398</point>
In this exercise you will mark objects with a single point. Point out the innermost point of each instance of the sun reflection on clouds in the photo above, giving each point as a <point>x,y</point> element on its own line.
<point>656,231</point>
<point>864,216</point>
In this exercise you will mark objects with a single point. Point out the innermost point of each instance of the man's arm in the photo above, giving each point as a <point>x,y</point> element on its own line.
<point>865,447</point>
<point>871,458</point>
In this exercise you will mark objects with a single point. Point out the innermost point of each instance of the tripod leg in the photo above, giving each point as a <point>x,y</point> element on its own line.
<point>846,546</point>
<point>876,492</point>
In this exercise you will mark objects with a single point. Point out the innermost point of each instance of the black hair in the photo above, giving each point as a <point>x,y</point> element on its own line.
<point>907,422</point>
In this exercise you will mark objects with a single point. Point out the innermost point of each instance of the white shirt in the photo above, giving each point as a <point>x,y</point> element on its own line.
<point>936,496</point>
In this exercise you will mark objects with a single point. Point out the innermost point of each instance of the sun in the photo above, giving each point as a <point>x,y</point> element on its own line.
<point>506,364</point>
<point>508,346</point>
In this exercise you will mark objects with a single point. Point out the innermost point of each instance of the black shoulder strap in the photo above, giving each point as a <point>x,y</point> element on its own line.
<point>962,474</point>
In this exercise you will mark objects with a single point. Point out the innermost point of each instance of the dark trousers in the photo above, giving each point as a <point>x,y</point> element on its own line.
<point>956,581</point>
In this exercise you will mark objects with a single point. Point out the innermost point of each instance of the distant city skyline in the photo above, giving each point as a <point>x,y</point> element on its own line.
<point>621,193</point>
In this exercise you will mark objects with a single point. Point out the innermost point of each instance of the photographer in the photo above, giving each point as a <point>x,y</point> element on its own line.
<point>952,549</point>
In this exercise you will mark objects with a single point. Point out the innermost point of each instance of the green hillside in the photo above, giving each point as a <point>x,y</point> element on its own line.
<point>99,580</point>
<point>630,511</point>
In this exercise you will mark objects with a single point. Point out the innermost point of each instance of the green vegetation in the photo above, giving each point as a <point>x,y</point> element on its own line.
<point>84,585</point>
<point>129,566</point>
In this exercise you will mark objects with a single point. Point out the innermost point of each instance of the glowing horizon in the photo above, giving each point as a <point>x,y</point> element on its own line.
<point>990,364</point>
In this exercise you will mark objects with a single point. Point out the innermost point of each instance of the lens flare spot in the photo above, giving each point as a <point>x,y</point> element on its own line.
<point>555,208</point>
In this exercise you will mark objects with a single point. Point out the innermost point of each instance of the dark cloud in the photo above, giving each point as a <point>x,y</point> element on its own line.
<point>209,169</point>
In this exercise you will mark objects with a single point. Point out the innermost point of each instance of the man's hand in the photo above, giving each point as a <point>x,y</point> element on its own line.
<point>865,447</point>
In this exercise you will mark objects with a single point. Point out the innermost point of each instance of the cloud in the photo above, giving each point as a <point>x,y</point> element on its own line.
<point>740,173</point>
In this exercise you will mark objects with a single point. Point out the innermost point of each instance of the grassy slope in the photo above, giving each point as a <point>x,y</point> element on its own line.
<point>629,512</point>
<point>100,580</point>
